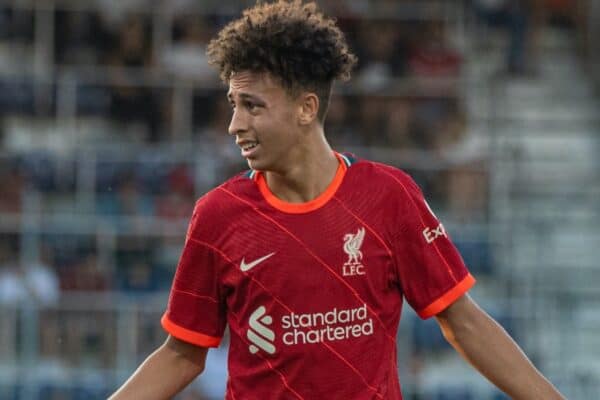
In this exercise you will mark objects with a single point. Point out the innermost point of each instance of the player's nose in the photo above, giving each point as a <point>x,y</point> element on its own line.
<point>238,123</point>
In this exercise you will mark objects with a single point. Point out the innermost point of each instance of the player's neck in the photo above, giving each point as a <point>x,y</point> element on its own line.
<point>308,175</point>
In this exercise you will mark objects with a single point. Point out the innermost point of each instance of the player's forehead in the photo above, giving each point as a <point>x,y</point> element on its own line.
<point>253,84</point>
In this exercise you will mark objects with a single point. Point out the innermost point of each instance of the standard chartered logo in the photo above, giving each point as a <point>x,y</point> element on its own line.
<point>336,324</point>
<point>302,329</point>
<point>259,334</point>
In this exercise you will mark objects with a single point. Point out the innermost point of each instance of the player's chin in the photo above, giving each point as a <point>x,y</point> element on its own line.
<point>256,164</point>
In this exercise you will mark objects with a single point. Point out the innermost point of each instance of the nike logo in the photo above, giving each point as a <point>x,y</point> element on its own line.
<point>246,267</point>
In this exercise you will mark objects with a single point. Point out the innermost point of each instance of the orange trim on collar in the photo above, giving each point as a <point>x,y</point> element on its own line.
<point>301,208</point>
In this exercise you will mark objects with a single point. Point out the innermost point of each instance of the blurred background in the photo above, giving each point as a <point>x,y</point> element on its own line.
<point>112,124</point>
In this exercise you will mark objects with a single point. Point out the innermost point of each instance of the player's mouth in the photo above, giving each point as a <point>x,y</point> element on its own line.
<point>248,148</point>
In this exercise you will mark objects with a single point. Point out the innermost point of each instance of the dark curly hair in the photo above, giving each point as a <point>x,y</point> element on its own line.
<point>289,39</point>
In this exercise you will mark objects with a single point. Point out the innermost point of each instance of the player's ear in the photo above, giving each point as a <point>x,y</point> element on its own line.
<point>309,108</point>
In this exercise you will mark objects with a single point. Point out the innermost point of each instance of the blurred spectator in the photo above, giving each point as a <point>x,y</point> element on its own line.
<point>465,188</point>
<point>127,200</point>
<point>85,275</point>
<point>42,280</point>
<point>36,282</point>
<point>450,127</point>
<point>371,114</point>
<point>425,123</point>
<point>381,53</point>
<point>81,38</point>
<point>133,44</point>
<point>135,272</point>
<point>432,56</point>
<point>178,200</point>
<point>11,190</point>
<point>137,278</point>
<point>564,13</point>
<point>186,57</point>
<point>515,17</point>
<point>16,24</point>
<point>12,286</point>
<point>428,111</point>
<point>132,100</point>
<point>399,124</point>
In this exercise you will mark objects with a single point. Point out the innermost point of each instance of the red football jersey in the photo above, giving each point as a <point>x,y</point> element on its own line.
<point>312,292</point>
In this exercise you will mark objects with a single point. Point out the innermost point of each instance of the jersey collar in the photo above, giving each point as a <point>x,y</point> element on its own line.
<point>301,208</point>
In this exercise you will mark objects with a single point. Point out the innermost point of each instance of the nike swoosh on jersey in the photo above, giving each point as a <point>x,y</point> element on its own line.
<point>246,267</point>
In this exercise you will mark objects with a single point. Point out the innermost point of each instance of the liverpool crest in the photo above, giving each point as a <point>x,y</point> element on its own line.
<point>352,244</point>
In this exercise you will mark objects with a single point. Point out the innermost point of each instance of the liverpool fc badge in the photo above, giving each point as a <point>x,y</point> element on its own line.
<point>352,244</point>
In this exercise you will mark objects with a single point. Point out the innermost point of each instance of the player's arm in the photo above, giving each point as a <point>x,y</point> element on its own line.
<point>487,346</point>
<point>165,372</point>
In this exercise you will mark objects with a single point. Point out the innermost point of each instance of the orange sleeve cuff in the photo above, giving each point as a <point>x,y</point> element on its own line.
<point>187,335</point>
<point>448,298</point>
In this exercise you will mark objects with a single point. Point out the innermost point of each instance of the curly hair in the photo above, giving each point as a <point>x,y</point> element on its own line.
<point>289,39</point>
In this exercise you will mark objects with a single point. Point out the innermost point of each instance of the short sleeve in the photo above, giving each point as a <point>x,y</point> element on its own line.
<point>196,311</point>
<point>431,271</point>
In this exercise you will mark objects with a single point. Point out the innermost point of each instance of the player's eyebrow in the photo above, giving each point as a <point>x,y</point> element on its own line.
<point>245,96</point>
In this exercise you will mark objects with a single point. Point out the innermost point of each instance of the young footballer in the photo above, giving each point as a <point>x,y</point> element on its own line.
<point>308,256</point>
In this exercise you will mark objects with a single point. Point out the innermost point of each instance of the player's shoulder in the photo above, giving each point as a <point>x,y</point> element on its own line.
<point>225,196</point>
<point>377,173</point>
<point>225,200</point>
<point>221,206</point>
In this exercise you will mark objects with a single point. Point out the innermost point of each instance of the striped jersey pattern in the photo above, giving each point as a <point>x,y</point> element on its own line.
<point>312,293</point>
